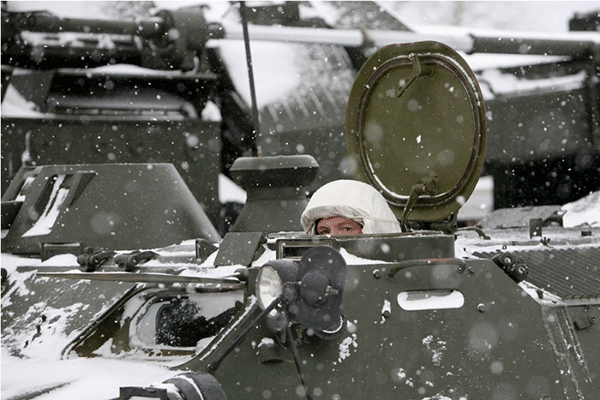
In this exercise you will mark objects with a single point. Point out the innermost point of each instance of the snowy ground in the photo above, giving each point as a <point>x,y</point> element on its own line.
<point>95,378</point>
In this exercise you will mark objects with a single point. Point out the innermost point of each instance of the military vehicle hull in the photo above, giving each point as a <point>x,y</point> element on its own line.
<point>442,325</point>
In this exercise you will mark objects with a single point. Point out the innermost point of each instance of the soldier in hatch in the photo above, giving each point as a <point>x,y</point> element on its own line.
<point>347,207</point>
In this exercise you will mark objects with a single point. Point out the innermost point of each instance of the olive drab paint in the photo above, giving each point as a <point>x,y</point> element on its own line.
<point>121,259</point>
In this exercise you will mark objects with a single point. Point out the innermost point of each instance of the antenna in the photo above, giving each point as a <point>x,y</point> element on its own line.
<point>256,147</point>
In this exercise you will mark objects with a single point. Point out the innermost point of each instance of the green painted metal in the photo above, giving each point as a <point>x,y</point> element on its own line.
<point>193,146</point>
<point>240,248</point>
<point>422,323</point>
<point>276,191</point>
<point>103,206</point>
<point>488,347</point>
<point>416,113</point>
<point>56,313</point>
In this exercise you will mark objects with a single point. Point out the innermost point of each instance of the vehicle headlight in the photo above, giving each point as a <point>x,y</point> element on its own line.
<point>269,286</point>
<point>271,283</point>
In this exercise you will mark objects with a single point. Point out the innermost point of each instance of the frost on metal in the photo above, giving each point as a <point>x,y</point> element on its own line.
<point>436,348</point>
<point>41,328</point>
<point>386,310</point>
<point>46,221</point>
<point>346,345</point>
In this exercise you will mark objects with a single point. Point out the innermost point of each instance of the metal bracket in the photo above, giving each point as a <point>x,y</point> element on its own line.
<point>240,248</point>
<point>425,186</point>
<point>90,260</point>
<point>130,260</point>
<point>418,71</point>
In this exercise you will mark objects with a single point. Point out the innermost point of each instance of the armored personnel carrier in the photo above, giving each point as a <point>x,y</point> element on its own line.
<point>170,87</point>
<point>503,310</point>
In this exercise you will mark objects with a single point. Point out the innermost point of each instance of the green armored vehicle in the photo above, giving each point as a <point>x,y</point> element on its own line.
<point>171,87</point>
<point>503,310</point>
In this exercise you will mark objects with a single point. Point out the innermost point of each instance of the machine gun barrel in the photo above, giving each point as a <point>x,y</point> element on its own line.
<point>41,21</point>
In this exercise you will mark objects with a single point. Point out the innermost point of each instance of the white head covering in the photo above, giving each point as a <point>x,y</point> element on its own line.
<point>352,199</point>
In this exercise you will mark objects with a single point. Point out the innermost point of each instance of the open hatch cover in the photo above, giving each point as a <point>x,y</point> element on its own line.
<point>415,122</point>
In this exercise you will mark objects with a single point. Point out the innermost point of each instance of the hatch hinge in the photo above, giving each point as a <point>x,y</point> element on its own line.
<point>425,186</point>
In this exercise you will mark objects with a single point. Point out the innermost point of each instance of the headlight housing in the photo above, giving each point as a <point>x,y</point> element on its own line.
<point>271,283</point>
<point>312,289</point>
<point>269,286</point>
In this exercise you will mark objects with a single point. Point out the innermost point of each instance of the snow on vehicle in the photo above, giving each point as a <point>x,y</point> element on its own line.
<point>116,284</point>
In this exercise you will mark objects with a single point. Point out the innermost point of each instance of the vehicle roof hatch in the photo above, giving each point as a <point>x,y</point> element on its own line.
<point>415,124</point>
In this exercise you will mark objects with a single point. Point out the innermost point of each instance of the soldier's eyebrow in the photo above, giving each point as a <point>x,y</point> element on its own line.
<point>350,222</point>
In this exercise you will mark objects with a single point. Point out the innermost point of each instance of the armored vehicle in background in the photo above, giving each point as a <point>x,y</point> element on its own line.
<point>503,310</point>
<point>172,88</point>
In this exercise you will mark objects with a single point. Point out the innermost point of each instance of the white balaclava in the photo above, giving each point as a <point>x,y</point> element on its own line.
<point>352,199</point>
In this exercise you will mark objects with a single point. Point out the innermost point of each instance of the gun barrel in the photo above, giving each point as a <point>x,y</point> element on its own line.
<point>177,35</point>
<point>50,23</point>
<point>572,44</point>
